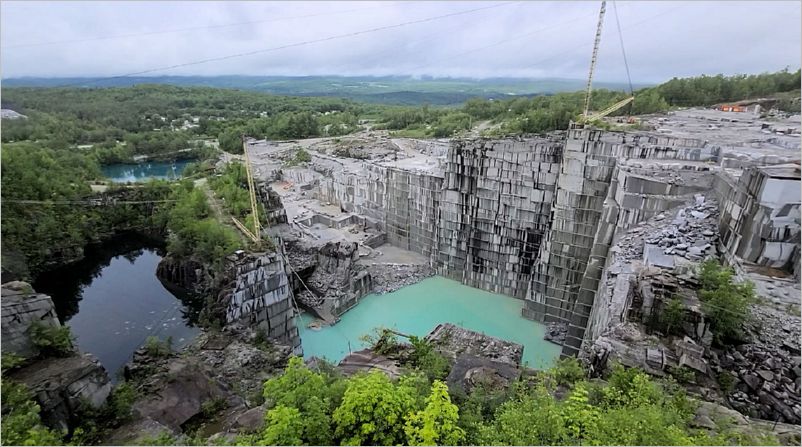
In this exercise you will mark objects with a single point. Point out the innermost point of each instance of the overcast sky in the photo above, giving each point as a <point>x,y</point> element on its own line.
<point>520,39</point>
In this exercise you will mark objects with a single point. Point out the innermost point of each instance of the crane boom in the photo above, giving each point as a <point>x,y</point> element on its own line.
<point>593,58</point>
<point>255,234</point>
<point>251,191</point>
<point>609,110</point>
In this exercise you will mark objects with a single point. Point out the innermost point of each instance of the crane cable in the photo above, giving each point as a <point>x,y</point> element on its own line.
<point>624,54</point>
<point>183,30</point>
<point>623,51</point>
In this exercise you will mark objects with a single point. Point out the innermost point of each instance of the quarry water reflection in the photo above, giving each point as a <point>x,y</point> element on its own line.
<point>137,172</point>
<point>418,308</point>
<point>112,301</point>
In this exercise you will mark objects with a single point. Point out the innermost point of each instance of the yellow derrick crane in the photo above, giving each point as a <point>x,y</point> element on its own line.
<point>586,115</point>
<point>255,234</point>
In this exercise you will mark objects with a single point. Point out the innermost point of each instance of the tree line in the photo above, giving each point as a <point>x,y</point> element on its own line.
<point>152,119</point>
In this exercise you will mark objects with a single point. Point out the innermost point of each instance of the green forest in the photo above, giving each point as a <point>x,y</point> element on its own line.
<point>162,119</point>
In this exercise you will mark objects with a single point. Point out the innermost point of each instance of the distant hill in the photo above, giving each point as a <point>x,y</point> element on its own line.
<point>385,89</point>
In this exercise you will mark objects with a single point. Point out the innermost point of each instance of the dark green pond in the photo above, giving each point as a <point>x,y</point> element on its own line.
<point>112,301</point>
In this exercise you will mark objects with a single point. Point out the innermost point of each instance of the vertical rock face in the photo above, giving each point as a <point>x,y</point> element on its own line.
<point>262,296</point>
<point>276,214</point>
<point>760,217</point>
<point>21,308</point>
<point>495,211</point>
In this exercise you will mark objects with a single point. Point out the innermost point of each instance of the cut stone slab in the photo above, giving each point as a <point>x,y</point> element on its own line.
<point>653,255</point>
<point>180,394</point>
<point>753,382</point>
<point>366,360</point>
<point>766,375</point>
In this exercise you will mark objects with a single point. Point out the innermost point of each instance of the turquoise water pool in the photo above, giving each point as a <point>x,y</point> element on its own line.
<point>138,172</point>
<point>418,308</point>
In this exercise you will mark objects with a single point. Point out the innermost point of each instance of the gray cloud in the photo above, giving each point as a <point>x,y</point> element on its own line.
<point>527,39</point>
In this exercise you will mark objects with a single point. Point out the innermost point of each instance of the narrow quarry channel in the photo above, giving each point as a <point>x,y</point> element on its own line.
<point>418,308</point>
<point>112,301</point>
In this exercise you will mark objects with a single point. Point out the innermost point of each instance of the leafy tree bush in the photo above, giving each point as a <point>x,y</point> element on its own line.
<point>308,393</point>
<point>725,302</point>
<point>672,317</point>
<point>567,371</point>
<point>52,340</point>
<point>427,360</point>
<point>726,382</point>
<point>231,140</point>
<point>158,348</point>
<point>11,361</point>
<point>381,340</point>
<point>682,374</point>
<point>436,424</point>
<point>285,426</point>
<point>94,423</point>
<point>21,423</point>
<point>532,418</point>
<point>308,407</point>
<point>373,410</point>
<point>301,156</point>
<point>193,232</point>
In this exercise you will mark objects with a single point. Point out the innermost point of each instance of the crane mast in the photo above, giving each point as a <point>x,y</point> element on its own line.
<point>593,58</point>
<point>586,116</point>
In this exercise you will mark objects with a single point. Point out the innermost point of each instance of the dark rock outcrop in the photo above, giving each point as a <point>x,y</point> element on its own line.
<point>470,371</point>
<point>187,274</point>
<point>453,341</point>
<point>210,383</point>
<point>179,393</point>
<point>63,386</point>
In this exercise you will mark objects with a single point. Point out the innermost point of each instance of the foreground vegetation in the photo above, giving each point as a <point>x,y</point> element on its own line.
<point>725,301</point>
<point>322,407</point>
<point>555,407</point>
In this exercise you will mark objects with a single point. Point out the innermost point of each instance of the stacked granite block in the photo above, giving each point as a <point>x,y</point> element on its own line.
<point>262,297</point>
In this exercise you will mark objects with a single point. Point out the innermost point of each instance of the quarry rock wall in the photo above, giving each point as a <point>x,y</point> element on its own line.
<point>495,210</point>
<point>587,215</point>
<point>362,191</point>
<point>403,203</point>
<point>535,218</point>
<point>760,212</point>
<point>62,386</point>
